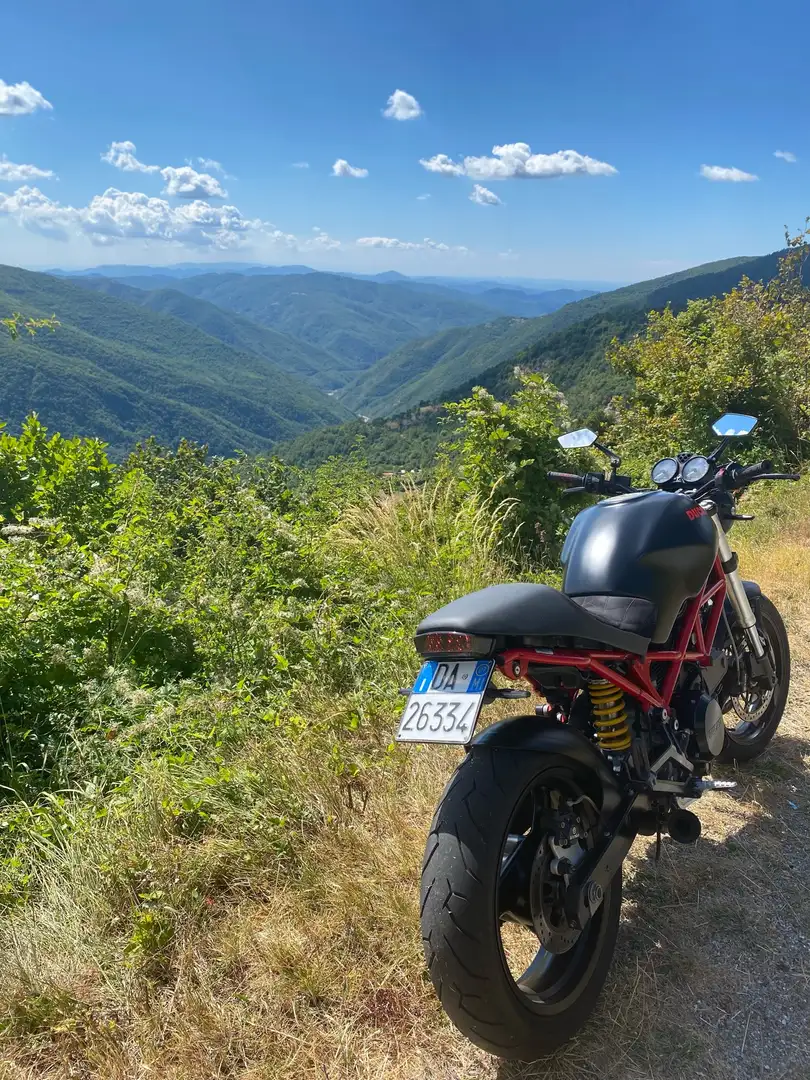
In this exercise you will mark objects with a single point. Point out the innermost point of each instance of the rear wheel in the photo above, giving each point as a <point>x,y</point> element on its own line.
<point>753,711</point>
<point>510,971</point>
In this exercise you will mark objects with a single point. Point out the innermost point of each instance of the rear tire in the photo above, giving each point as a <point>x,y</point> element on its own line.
<point>745,742</point>
<point>461,924</point>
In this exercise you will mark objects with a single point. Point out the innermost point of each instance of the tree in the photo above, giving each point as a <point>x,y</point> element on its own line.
<point>17,324</point>
<point>507,448</point>
<point>746,351</point>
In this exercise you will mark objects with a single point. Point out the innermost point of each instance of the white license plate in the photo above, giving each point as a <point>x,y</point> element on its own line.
<point>446,699</point>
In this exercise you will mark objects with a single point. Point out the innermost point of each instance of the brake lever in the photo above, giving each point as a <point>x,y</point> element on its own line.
<point>574,490</point>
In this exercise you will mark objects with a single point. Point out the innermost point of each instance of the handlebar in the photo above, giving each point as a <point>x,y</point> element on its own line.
<point>592,483</point>
<point>737,477</point>
<point>564,477</point>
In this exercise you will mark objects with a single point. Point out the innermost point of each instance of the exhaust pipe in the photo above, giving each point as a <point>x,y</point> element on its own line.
<point>683,826</point>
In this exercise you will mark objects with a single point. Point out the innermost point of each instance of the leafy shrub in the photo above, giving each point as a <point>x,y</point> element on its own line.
<point>746,351</point>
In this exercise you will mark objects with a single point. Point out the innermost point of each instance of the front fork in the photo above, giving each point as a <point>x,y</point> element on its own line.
<point>735,588</point>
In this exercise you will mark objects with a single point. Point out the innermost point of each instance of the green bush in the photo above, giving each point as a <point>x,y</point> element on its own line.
<point>746,351</point>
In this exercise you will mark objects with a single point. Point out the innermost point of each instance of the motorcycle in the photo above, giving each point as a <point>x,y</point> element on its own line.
<point>655,660</point>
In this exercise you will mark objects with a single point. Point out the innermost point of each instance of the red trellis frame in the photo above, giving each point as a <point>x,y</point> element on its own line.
<point>695,641</point>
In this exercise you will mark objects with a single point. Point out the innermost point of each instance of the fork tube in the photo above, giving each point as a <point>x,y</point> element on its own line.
<point>736,591</point>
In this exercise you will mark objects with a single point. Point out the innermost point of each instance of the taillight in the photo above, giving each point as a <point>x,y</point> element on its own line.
<point>450,643</point>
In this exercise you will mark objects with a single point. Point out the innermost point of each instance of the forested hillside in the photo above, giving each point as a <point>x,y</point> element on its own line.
<point>431,370</point>
<point>292,355</point>
<point>355,321</point>
<point>119,372</point>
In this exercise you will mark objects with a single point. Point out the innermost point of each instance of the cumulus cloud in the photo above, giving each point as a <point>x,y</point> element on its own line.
<point>721,173</point>
<point>300,164</point>
<point>343,168</point>
<point>421,198</point>
<point>441,163</point>
<point>122,156</point>
<point>402,106</point>
<point>321,241</point>
<point>483,196</point>
<point>785,155</point>
<point>187,183</point>
<point>10,173</point>
<point>183,182</point>
<point>516,160</point>
<point>123,215</point>
<point>20,99</point>
<point>391,243</point>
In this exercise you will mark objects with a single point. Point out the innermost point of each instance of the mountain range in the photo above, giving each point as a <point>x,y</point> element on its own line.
<point>251,360</point>
<point>432,369</point>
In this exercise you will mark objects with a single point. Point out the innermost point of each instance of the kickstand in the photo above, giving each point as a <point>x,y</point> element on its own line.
<point>658,844</point>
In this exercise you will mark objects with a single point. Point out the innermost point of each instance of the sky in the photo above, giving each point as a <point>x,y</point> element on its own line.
<point>616,141</point>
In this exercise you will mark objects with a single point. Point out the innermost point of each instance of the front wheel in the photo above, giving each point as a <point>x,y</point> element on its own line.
<point>510,971</point>
<point>753,711</point>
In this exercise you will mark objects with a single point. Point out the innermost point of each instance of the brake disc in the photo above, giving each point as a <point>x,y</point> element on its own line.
<point>552,864</point>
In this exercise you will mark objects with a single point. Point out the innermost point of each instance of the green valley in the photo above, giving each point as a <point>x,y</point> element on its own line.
<point>120,372</point>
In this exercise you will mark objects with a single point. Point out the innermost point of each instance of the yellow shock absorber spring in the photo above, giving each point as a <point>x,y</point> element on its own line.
<point>610,715</point>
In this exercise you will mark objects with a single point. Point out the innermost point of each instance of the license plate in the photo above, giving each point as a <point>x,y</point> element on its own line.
<point>446,699</point>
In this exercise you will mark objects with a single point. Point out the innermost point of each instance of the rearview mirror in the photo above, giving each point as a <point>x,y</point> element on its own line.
<point>734,424</point>
<point>572,439</point>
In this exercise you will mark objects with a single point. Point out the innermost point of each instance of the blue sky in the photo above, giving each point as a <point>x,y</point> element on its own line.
<point>645,94</point>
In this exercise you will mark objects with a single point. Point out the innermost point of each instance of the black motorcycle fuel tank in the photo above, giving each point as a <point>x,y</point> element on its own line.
<point>655,545</point>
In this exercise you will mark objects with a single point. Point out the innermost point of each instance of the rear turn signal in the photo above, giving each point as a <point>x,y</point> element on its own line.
<point>449,643</point>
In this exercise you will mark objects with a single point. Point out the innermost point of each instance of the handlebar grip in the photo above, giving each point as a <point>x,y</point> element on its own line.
<point>564,477</point>
<point>751,472</point>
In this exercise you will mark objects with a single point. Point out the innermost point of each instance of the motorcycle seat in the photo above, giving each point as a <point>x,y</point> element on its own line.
<point>524,610</point>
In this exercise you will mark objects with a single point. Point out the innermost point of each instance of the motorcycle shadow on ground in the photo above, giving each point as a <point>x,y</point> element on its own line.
<point>711,976</point>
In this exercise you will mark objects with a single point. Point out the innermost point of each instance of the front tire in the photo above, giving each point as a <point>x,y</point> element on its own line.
<point>748,733</point>
<point>469,869</point>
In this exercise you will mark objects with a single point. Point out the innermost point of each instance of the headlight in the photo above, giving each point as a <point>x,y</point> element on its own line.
<point>695,469</point>
<point>664,470</point>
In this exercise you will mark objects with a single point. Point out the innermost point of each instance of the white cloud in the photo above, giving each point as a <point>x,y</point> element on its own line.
<point>785,155</point>
<point>483,196</point>
<point>343,168</point>
<point>20,174</point>
<point>402,106</point>
<point>517,160</point>
<point>721,173</point>
<point>210,165</point>
<point>20,99</point>
<point>421,198</point>
<point>183,182</point>
<point>441,163</point>
<point>122,156</point>
<point>122,215</point>
<point>300,164</point>
<point>391,243</point>
<point>187,183</point>
<point>321,241</point>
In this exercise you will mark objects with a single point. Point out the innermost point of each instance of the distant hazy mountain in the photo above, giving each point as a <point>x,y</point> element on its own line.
<point>119,371</point>
<point>178,270</point>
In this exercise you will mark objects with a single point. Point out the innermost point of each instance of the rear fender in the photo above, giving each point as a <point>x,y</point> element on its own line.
<point>540,735</point>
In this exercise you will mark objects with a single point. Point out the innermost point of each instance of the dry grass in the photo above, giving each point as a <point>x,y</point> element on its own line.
<point>320,977</point>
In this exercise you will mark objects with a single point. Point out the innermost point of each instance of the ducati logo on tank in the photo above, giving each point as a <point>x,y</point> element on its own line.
<point>695,512</point>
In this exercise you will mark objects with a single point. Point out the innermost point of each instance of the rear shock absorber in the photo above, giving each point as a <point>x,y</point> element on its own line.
<point>609,715</point>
